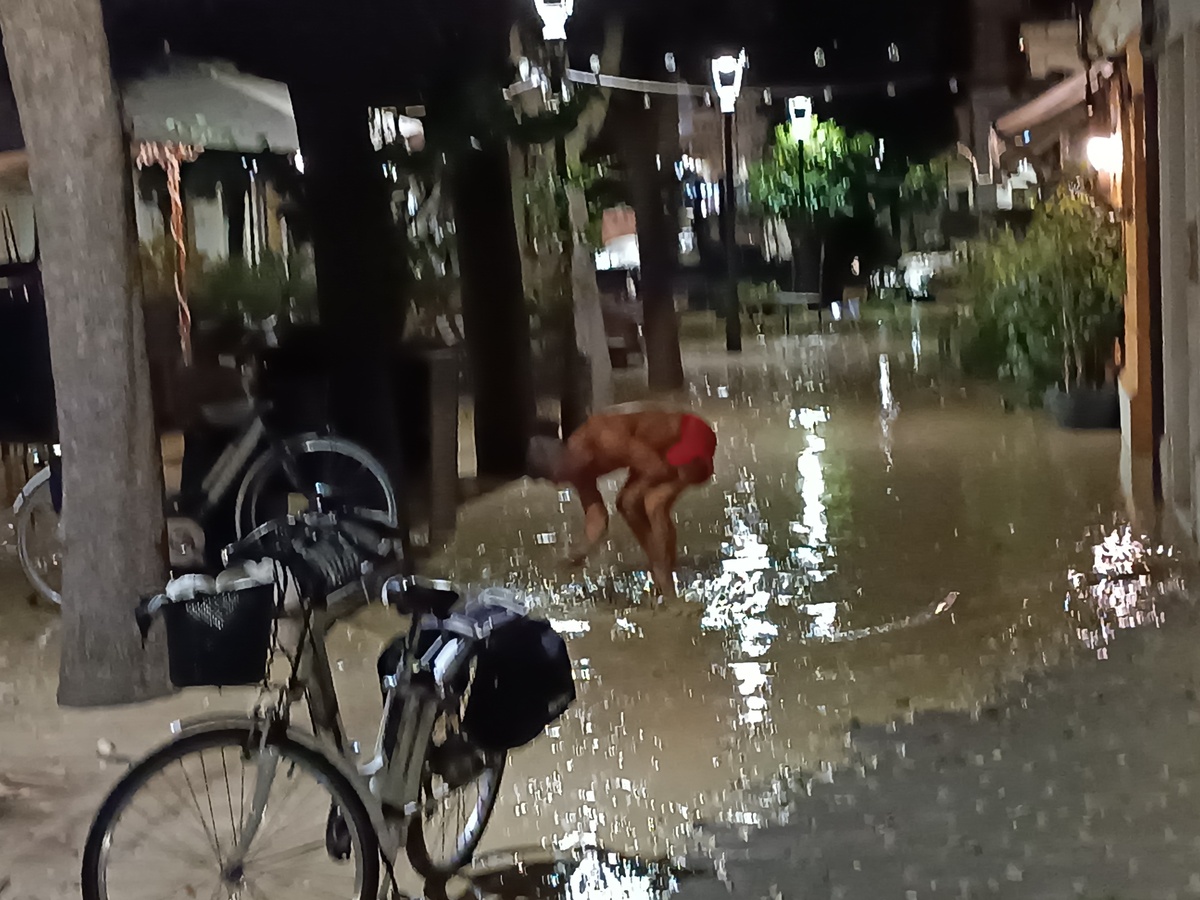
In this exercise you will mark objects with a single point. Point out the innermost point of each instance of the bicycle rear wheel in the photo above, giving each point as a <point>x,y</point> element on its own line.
<point>39,539</point>
<point>352,478</point>
<point>209,815</point>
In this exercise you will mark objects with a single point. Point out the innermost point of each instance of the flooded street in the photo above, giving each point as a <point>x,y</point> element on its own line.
<point>882,541</point>
<point>861,486</point>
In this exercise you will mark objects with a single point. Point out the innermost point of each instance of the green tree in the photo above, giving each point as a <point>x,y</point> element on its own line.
<point>920,194</point>
<point>814,186</point>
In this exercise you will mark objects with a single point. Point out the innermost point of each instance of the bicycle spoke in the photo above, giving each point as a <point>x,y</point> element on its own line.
<point>212,838</point>
<point>211,812</point>
<point>233,826</point>
<point>270,859</point>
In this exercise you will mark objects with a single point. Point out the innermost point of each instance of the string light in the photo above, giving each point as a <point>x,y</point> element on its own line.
<point>894,52</point>
<point>819,56</point>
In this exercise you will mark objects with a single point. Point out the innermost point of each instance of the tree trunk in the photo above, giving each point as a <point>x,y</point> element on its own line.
<point>83,187</point>
<point>806,259</point>
<point>358,253</point>
<point>494,314</point>
<point>640,149</point>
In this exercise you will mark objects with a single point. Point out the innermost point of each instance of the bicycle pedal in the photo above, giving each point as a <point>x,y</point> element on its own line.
<point>337,835</point>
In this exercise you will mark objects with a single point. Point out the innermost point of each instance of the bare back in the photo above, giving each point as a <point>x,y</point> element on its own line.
<point>636,441</point>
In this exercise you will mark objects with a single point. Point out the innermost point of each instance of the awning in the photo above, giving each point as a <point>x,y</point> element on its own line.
<point>1060,99</point>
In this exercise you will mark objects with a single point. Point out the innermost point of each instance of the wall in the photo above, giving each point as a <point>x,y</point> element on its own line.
<point>1179,120</point>
<point>1184,15</point>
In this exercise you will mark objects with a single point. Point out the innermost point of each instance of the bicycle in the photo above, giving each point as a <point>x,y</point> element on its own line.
<point>283,471</point>
<point>244,784</point>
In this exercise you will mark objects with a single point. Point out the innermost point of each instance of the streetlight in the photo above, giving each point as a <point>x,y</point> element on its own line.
<point>800,113</point>
<point>727,81</point>
<point>554,15</point>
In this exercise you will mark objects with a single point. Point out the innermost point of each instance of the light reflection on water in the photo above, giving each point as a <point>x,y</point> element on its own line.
<point>1125,589</point>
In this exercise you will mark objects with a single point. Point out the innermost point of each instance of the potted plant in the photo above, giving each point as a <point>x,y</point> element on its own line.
<point>1048,309</point>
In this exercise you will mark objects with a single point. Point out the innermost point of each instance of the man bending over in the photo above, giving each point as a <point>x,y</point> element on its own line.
<point>665,453</point>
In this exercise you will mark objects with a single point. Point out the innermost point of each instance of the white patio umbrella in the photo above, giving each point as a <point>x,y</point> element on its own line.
<point>176,115</point>
<point>211,106</point>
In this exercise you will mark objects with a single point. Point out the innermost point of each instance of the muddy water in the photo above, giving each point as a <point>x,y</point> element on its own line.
<point>881,538</point>
<point>861,487</point>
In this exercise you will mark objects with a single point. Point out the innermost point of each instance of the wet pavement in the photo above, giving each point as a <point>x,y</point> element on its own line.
<point>886,559</point>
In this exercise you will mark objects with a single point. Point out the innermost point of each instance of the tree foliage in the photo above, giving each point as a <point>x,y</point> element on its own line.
<point>1049,305</point>
<point>815,183</point>
<point>924,186</point>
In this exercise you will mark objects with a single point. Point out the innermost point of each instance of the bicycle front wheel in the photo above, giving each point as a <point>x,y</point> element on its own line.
<point>39,539</point>
<point>212,815</point>
<point>348,475</point>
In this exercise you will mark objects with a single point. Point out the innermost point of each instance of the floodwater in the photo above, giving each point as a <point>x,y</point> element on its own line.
<point>881,538</point>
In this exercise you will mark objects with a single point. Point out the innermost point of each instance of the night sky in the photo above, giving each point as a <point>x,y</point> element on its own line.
<point>397,51</point>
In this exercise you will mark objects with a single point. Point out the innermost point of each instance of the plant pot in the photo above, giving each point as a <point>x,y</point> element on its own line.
<point>1085,408</point>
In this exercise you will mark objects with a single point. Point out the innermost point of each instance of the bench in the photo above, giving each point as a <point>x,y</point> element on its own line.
<point>790,299</point>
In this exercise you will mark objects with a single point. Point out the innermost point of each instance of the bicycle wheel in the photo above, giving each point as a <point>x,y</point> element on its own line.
<point>39,539</point>
<point>459,787</point>
<point>351,476</point>
<point>209,815</point>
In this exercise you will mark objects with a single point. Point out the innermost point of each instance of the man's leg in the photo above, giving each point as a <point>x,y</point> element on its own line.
<point>631,504</point>
<point>662,547</point>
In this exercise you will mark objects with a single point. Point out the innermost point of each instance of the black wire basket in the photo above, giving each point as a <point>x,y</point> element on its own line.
<point>221,640</point>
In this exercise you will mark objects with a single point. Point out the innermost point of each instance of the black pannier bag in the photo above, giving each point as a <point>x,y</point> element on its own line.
<point>523,682</point>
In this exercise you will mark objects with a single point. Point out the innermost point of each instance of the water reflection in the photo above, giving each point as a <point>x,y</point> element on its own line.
<point>592,875</point>
<point>1124,589</point>
<point>889,409</point>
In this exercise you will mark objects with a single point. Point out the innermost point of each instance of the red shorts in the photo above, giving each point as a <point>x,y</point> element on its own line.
<point>697,441</point>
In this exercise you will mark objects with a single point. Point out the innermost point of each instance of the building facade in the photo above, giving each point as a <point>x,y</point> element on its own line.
<point>1176,50</point>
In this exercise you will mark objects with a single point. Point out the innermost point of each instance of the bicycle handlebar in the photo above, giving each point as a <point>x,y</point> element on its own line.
<point>325,551</point>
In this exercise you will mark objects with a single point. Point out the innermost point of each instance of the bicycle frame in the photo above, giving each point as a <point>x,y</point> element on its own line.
<point>229,464</point>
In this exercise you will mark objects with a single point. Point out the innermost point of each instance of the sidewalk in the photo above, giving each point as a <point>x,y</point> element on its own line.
<point>1084,782</point>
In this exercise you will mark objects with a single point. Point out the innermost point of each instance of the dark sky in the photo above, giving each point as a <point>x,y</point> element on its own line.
<point>392,50</point>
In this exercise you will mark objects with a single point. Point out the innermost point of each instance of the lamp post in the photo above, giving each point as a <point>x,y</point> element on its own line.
<point>727,81</point>
<point>554,15</point>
